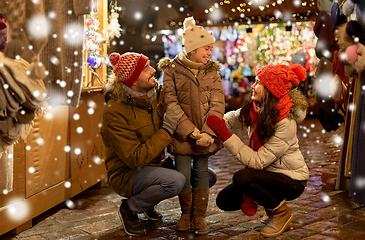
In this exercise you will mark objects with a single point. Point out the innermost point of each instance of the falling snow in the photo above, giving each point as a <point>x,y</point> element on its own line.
<point>74,34</point>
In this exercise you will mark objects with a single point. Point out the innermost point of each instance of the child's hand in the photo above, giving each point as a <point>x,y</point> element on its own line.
<point>195,134</point>
<point>205,140</point>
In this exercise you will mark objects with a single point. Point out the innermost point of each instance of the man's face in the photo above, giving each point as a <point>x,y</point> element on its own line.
<point>146,80</point>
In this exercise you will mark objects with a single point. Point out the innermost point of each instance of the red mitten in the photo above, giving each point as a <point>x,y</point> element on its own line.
<point>249,206</point>
<point>219,127</point>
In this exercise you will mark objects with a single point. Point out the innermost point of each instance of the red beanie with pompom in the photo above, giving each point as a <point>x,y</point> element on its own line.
<point>128,66</point>
<point>279,79</point>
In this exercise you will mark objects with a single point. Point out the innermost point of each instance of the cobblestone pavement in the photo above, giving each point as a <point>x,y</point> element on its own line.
<point>318,213</point>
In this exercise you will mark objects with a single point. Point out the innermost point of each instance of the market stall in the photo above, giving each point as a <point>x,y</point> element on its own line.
<point>62,153</point>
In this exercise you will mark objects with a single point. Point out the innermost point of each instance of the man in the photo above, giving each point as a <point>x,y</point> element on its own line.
<point>135,137</point>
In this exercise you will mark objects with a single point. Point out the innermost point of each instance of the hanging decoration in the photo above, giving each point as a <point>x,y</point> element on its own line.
<point>114,30</point>
<point>277,45</point>
<point>93,41</point>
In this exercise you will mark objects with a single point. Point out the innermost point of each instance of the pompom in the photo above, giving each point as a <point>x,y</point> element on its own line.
<point>189,22</point>
<point>351,54</point>
<point>114,57</point>
<point>299,70</point>
<point>249,206</point>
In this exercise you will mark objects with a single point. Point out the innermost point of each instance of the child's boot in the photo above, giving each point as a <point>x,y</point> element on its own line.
<point>201,197</point>
<point>186,201</point>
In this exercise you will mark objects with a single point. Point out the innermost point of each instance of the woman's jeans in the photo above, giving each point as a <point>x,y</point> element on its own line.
<point>266,188</point>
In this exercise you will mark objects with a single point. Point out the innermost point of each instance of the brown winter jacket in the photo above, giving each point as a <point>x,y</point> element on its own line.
<point>199,96</point>
<point>132,135</point>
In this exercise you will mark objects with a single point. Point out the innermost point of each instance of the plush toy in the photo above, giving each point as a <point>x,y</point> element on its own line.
<point>355,56</point>
<point>350,51</point>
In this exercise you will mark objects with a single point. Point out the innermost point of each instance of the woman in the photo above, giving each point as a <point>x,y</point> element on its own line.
<point>275,170</point>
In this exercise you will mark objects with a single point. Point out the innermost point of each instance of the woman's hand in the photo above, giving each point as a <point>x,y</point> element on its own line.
<point>219,127</point>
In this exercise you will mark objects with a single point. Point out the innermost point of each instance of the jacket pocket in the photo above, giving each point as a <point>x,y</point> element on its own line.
<point>142,128</point>
<point>137,124</point>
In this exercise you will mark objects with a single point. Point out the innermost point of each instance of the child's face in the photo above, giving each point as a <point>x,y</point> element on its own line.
<point>202,54</point>
<point>257,91</point>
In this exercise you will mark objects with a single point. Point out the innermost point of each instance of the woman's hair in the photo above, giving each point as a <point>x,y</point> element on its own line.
<point>268,116</point>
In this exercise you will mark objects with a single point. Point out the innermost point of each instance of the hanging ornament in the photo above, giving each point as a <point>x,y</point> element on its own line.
<point>91,61</point>
<point>93,40</point>
<point>114,30</point>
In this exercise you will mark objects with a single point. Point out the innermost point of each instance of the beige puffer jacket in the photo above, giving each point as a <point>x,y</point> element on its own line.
<point>281,152</point>
<point>199,96</point>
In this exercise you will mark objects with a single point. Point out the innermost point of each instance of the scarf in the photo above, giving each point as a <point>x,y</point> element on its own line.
<point>283,106</point>
<point>254,141</point>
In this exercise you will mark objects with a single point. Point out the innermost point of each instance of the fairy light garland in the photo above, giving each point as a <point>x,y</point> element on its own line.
<point>248,8</point>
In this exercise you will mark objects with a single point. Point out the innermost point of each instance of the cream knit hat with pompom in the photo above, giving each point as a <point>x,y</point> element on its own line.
<point>195,36</point>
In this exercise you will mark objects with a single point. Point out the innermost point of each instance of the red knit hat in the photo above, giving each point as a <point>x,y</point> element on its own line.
<point>128,67</point>
<point>278,79</point>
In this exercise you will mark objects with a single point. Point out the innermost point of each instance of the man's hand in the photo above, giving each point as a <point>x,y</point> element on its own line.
<point>205,140</point>
<point>172,117</point>
<point>219,127</point>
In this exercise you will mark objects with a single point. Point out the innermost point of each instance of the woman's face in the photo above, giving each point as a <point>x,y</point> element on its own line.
<point>257,91</point>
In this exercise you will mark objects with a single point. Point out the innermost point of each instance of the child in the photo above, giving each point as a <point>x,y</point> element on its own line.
<point>275,170</point>
<point>193,82</point>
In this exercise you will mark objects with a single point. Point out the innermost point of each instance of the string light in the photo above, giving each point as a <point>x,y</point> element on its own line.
<point>254,6</point>
<point>263,5</point>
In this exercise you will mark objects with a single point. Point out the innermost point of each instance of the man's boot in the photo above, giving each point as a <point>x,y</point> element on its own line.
<point>279,219</point>
<point>265,219</point>
<point>152,214</point>
<point>130,220</point>
<point>186,200</point>
<point>201,197</point>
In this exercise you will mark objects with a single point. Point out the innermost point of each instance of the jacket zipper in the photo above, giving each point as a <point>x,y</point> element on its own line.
<point>150,111</point>
<point>196,76</point>
<point>129,100</point>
